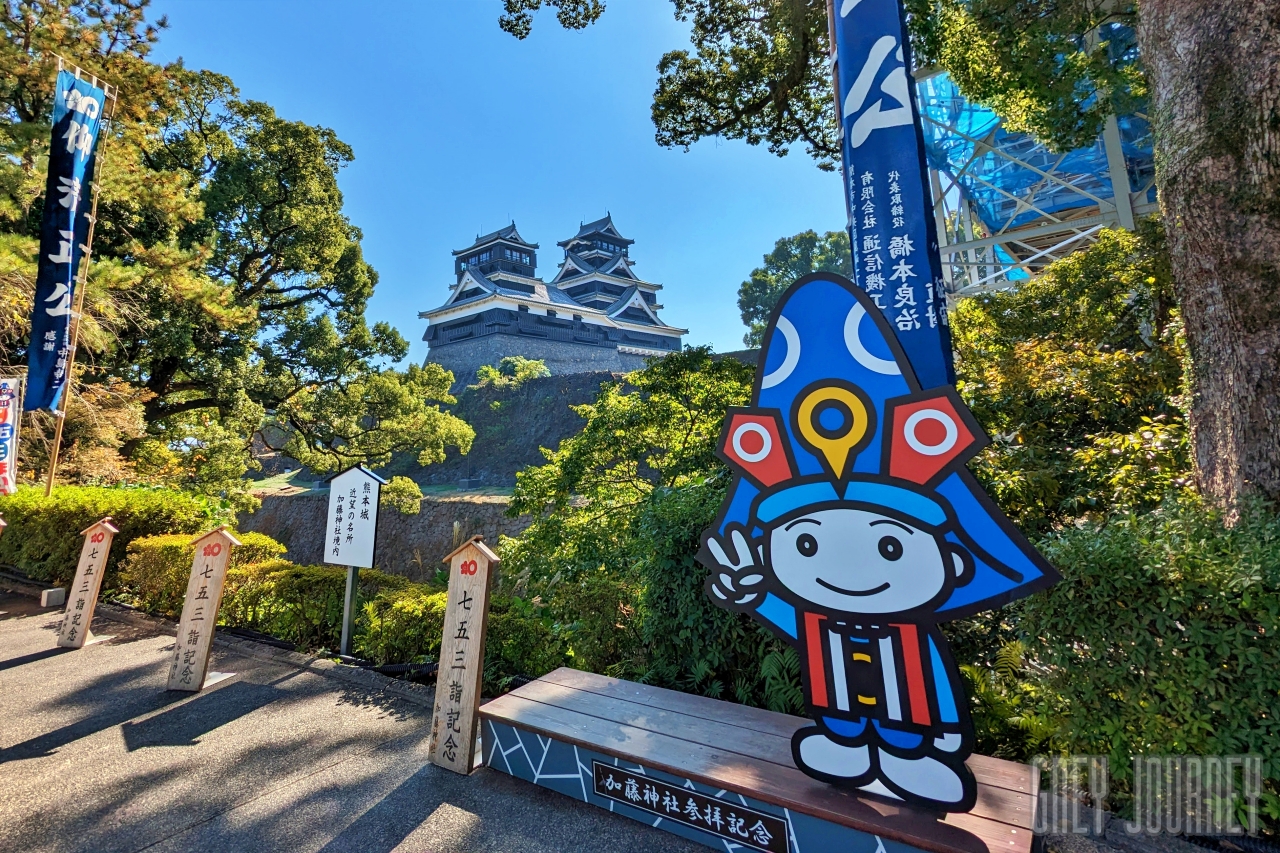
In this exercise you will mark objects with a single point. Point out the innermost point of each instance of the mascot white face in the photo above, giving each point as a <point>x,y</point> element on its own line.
<point>862,562</point>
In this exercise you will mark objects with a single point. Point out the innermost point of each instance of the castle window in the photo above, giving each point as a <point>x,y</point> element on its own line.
<point>524,308</point>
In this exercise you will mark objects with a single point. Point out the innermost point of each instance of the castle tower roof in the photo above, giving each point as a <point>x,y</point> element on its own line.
<point>509,234</point>
<point>601,229</point>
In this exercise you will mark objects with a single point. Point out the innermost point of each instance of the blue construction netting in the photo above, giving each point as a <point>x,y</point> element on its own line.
<point>1000,183</point>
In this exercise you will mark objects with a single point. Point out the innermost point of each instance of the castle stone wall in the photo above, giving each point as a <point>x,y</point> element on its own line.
<point>409,545</point>
<point>465,357</point>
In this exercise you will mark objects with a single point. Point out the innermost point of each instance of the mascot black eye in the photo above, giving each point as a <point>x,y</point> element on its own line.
<point>891,548</point>
<point>807,545</point>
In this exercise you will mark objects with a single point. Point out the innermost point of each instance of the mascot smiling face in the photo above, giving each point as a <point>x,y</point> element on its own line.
<point>863,561</point>
<point>851,529</point>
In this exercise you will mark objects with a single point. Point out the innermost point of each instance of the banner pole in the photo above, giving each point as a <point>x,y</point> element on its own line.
<point>835,74</point>
<point>61,412</point>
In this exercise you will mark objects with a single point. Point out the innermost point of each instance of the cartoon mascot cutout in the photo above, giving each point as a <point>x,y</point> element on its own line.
<point>852,528</point>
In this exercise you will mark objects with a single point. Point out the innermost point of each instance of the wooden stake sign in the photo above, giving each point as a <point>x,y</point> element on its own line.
<point>200,610</point>
<point>453,725</point>
<point>84,590</point>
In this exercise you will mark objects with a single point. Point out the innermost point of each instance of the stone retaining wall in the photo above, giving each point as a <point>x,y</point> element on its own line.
<point>465,357</point>
<point>409,545</point>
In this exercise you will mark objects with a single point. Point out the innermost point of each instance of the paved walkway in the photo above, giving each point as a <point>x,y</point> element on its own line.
<point>95,756</point>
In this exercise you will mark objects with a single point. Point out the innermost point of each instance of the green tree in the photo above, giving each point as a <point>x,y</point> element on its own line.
<point>791,258</point>
<point>1206,71</point>
<point>511,372</point>
<point>1078,377</point>
<point>371,417</point>
<point>228,287</point>
<point>608,495</point>
<point>517,17</point>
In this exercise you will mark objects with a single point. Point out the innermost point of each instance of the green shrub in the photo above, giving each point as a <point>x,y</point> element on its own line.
<point>156,569</point>
<point>1161,637</point>
<point>402,626</point>
<point>520,641</point>
<point>691,644</point>
<point>1077,374</point>
<point>301,604</point>
<point>406,625</point>
<point>43,537</point>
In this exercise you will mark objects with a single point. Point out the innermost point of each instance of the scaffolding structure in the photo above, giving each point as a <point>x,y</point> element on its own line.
<point>1006,205</point>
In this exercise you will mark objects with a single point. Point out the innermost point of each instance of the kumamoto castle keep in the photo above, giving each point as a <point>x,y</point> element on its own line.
<point>594,314</point>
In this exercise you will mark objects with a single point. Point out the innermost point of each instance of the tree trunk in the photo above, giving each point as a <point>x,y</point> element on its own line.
<point>1214,71</point>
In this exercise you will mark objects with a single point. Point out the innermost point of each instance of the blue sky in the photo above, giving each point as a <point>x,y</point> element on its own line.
<point>458,127</point>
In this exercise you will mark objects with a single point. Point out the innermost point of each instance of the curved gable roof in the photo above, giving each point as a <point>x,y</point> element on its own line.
<point>631,298</point>
<point>599,226</point>
<point>509,233</point>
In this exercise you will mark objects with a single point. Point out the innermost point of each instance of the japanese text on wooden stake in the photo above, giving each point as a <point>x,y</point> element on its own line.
<point>88,581</point>
<point>200,610</point>
<point>453,726</point>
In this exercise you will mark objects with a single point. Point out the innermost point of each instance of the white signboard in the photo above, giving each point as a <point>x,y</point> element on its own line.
<point>353,517</point>
<point>10,413</point>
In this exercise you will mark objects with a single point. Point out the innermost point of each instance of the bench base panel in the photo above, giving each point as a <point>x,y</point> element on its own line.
<point>585,775</point>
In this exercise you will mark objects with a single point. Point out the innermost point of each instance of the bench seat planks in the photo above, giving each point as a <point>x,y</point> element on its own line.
<point>564,730</point>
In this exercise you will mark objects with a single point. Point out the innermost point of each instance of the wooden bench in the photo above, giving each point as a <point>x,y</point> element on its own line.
<point>647,753</point>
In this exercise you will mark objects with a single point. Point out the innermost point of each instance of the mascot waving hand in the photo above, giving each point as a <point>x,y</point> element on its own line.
<point>851,530</point>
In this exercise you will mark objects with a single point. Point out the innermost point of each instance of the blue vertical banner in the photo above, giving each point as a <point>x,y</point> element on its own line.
<point>891,227</point>
<point>64,230</point>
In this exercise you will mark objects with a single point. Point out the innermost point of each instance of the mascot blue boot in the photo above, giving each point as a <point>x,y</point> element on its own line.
<point>851,530</point>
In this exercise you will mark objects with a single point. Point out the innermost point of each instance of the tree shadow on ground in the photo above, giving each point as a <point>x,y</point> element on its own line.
<point>184,724</point>
<point>395,707</point>
<point>44,654</point>
<point>384,826</point>
<point>110,699</point>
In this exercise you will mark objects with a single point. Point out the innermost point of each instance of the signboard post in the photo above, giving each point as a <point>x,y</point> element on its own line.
<point>353,521</point>
<point>453,725</point>
<point>200,610</point>
<point>10,415</point>
<point>74,630</point>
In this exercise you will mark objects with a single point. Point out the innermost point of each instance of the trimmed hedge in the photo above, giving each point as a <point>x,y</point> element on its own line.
<point>301,604</point>
<point>402,626</point>
<point>43,537</point>
<point>406,625</point>
<point>156,568</point>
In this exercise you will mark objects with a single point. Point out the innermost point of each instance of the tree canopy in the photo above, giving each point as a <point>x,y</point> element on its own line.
<point>228,288</point>
<point>1203,73</point>
<point>758,69</point>
<point>791,258</point>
